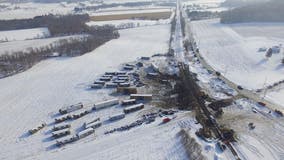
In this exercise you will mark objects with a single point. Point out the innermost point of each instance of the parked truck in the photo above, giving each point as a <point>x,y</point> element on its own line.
<point>85,133</point>
<point>133,108</point>
<point>117,117</point>
<point>128,102</point>
<point>61,133</point>
<point>71,108</point>
<point>61,126</point>
<point>105,104</point>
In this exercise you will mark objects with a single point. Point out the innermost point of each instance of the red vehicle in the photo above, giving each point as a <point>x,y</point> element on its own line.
<point>166,120</point>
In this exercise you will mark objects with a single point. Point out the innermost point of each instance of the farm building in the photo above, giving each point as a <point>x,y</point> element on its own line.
<point>105,104</point>
<point>85,133</point>
<point>71,108</point>
<point>133,108</point>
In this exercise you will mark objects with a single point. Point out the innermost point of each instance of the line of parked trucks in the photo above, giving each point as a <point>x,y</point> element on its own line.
<point>62,131</point>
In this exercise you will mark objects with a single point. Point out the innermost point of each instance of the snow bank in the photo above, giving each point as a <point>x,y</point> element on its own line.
<point>24,34</point>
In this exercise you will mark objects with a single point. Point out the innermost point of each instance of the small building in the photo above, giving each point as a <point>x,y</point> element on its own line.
<point>133,108</point>
<point>117,117</point>
<point>128,102</point>
<point>85,133</point>
<point>71,108</point>
<point>141,96</point>
<point>61,126</point>
<point>105,104</point>
<point>61,133</point>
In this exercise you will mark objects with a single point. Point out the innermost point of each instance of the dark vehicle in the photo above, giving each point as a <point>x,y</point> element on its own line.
<point>240,87</point>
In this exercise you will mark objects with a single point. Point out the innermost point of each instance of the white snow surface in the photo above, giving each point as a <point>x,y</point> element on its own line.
<point>35,95</point>
<point>25,45</point>
<point>24,34</point>
<point>237,56</point>
<point>149,10</point>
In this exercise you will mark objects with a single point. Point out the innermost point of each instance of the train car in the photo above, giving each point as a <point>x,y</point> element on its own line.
<point>71,108</point>
<point>141,96</point>
<point>133,108</point>
<point>105,104</point>
<point>61,133</point>
<point>85,133</point>
<point>61,126</point>
<point>116,117</point>
<point>128,102</point>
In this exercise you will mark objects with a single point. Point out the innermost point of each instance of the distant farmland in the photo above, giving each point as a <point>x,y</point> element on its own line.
<point>145,15</point>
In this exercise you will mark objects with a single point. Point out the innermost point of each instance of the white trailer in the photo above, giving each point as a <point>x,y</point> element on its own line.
<point>93,125</point>
<point>91,121</point>
<point>105,104</point>
<point>85,133</point>
<point>61,133</point>
<point>128,101</point>
<point>61,126</point>
<point>68,139</point>
<point>71,108</point>
<point>133,108</point>
<point>117,117</point>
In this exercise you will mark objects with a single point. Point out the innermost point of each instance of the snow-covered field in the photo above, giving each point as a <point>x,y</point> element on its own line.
<point>236,56</point>
<point>24,34</point>
<point>265,142</point>
<point>30,10</point>
<point>14,46</point>
<point>205,5</point>
<point>36,95</point>
<point>150,10</point>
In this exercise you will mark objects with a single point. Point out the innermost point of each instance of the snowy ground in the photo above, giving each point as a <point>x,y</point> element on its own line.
<point>150,10</point>
<point>14,46</point>
<point>30,10</point>
<point>36,94</point>
<point>237,56</point>
<point>24,34</point>
<point>265,141</point>
<point>130,23</point>
<point>204,5</point>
